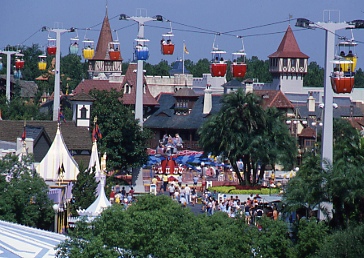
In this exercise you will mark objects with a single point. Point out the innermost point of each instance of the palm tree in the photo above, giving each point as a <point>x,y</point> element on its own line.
<point>233,130</point>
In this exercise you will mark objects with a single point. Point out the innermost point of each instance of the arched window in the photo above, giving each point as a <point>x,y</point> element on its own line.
<point>127,89</point>
<point>83,112</point>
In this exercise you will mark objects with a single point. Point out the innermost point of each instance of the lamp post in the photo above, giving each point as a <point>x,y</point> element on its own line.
<point>55,209</point>
<point>294,123</point>
<point>330,29</point>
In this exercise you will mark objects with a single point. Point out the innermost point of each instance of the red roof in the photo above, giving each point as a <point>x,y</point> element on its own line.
<point>274,98</point>
<point>128,98</point>
<point>288,47</point>
<point>105,38</point>
<point>308,132</point>
<point>130,79</point>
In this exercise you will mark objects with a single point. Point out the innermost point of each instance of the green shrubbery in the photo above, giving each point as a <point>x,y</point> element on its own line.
<point>233,190</point>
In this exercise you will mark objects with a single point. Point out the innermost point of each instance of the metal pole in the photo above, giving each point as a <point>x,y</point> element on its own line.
<point>57,74</point>
<point>327,131</point>
<point>8,71</point>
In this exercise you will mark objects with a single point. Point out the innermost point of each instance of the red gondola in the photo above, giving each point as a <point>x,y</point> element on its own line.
<point>342,79</point>
<point>218,65</point>
<point>51,48</point>
<point>238,67</point>
<point>167,47</point>
<point>19,62</point>
<point>114,50</point>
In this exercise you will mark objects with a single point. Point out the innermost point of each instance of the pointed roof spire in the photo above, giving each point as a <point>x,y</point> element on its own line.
<point>105,38</point>
<point>288,47</point>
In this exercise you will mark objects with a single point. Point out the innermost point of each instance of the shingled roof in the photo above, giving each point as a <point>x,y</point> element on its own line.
<point>28,89</point>
<point>288,47</point>
<point>76,138</point>
<point>274,98</point>
<point>128,98</point>
<point>105,38</point>
<point>164,117</point>
<point>130,78</point>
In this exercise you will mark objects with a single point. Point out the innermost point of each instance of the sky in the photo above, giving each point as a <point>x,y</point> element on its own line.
<point>261,23</point>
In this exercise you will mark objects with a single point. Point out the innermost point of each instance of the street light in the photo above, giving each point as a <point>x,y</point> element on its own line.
<point>55,209</point>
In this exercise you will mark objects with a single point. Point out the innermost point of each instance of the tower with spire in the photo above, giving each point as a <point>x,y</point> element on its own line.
<point>288,64</point>
<point>105,64</point>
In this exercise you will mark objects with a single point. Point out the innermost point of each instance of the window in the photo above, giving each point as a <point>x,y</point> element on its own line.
<point>302,62</point>
<point>83,112</point>
<point>285,61</point>
<point>293,62</point>
<point>127,89</point>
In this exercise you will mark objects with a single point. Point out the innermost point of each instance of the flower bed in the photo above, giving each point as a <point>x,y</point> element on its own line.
<point>239,189</point>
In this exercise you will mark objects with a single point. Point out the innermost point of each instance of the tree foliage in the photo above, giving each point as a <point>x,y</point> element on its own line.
<point>339,182</point>
<point>123,140</point>
<point>24,195</point>
<point>242,129</point>
<point>156,226</point>
<point>84,190</point>
<point>258,69</point>
<point>315,75</point>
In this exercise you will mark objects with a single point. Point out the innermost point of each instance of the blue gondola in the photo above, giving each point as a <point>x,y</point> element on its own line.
<point>141,52</point>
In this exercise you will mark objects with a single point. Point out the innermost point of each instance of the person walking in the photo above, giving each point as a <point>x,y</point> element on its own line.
<point>187,193</point>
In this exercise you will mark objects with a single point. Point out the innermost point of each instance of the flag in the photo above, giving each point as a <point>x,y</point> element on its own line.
<point>24,134</point>
<point>61,117</point>
<point>96,133</point>
<point>185,48</point>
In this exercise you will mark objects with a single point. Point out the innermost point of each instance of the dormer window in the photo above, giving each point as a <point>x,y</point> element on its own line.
<point>83,112</point>
<point>127,89</point>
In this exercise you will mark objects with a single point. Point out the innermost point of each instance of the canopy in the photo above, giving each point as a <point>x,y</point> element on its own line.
<point>58,164</point>
<point>99,204</point>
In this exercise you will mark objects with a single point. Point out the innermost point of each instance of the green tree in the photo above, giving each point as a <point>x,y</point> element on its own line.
<point>202,66</point>
<point>123,140</point>
<point>24,195</point>
<point>359,78</point>
<point>242,130</point>
<point>344,243</point>
<point>157,226</point>
<point>160,69</point>
<point>314,76</point>
<point>310,237</point>
<point>258,69</point>
<point>72,72</point>
<point>84,190</point>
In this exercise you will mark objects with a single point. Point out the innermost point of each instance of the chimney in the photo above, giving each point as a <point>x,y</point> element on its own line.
<point>311,103</point>
<point>249,86</point>
<point>207,102</point>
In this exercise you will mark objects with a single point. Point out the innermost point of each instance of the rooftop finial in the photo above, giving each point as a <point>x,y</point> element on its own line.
<point>106,8</point>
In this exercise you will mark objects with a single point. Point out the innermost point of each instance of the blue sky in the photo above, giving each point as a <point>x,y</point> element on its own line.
<point>23,18</point>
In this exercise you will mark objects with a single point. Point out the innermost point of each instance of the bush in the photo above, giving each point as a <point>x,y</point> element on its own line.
<point>247,190</point>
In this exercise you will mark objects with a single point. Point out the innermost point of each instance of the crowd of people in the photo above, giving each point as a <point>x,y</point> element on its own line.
<point>121,196</point>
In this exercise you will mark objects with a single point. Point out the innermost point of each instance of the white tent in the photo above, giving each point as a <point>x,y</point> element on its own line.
<point>99,204</point>
<point>58,164</point>
<point>94,160</point>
